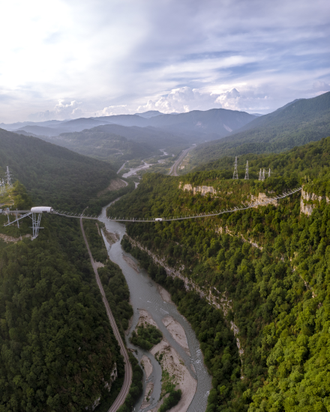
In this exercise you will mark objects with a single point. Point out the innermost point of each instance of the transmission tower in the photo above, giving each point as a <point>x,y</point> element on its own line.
<point>247,171</point>
<point>235,175</point>
<point>8,177</point>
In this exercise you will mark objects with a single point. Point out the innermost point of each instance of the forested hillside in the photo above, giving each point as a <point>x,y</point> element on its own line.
<point>58,351</point>
<point>295,124</point>
<point>309,160</point>
<point>53,175</point>
<point>116,144</point>
<point>268,266</point>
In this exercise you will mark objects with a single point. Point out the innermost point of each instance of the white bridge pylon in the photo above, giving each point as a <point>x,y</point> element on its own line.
<point>36,213</point>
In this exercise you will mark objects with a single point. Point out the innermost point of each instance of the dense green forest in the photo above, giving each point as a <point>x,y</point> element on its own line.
<point>271,262</point>
<point>296,124</point>
<point>146,336</point>
<point>53,175</point>
<point>303,162</point>
<point>57,346</point>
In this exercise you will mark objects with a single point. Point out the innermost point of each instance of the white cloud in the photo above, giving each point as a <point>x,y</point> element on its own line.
<point>180,100</point>
<point>112,110</point>
<point>321,86</point>
<point>62,111</point>
<point>114,56</point>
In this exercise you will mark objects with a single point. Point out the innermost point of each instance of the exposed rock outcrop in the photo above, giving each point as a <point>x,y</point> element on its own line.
<point>309,201</point>
<point>264,200</point>
<point>203,190</point>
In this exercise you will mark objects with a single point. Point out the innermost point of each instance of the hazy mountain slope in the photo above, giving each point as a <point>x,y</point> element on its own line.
<point>37,130</point>
<point>116,144</point>
<point>295,124</point>
<point>219,121</point>
<point>24,133</point>
<point>149,114</point>
<point>157,138</point>
<point>203,125</point>
<point>52,174</point>
<point>105,146</point>
<point>76,125</point>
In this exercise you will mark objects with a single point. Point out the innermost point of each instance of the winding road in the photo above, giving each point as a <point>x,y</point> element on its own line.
<point>128,368</point>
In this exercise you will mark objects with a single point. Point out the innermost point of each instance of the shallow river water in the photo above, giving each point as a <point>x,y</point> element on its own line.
<point>145,295</point>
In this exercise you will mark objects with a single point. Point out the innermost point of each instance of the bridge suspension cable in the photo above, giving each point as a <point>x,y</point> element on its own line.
<point>36,212</point>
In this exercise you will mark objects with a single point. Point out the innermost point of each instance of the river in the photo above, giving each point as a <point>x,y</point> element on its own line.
<point>145,295</point>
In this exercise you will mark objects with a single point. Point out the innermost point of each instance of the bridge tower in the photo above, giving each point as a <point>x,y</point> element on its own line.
<point>36,219</point>
<point>235,175</point>
<point>247,171</point>
<point>269,172</point>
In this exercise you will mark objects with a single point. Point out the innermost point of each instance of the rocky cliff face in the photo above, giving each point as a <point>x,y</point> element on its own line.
<point>309,201</point>
<point>264,200</point>
<point>204,190</point>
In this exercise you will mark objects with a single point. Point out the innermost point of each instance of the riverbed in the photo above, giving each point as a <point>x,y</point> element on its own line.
<point>145,295</point>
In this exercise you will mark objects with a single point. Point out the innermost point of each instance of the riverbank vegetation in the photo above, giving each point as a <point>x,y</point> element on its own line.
<point>146,336</point>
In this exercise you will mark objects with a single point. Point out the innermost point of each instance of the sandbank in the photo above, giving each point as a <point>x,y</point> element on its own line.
<point>147,366</point>
<point>164,294</point>
<point>145,318</point>
<point>131,263</point>
<point>172,362</point>
<point>177,332</point>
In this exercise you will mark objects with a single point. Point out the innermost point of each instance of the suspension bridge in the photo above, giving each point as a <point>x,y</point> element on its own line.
<point>35,213</point>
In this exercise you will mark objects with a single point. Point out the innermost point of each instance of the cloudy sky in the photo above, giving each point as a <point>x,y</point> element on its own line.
<point>62,59</point>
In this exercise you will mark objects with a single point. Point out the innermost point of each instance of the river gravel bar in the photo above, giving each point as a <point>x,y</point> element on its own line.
<point>147,366</point>
<point>164,294</point>
<point>177,332</point>
<point>131,262</point>
<point>172,362</point>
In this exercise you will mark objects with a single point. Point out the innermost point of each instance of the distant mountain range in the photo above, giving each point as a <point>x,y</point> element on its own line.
<point>295,124</point>
<point>196,126</point>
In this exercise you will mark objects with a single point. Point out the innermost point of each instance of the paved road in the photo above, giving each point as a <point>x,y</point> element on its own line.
<point>128,368</point>
<point>174,168</point>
